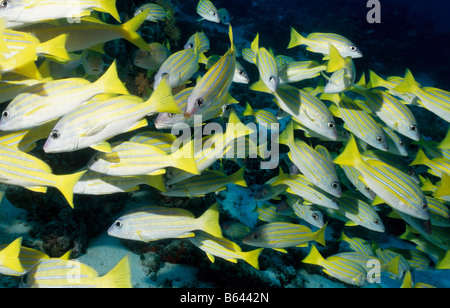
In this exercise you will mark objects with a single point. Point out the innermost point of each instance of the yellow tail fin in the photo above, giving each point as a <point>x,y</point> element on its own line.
<point>319,235</point>
<point>251,257</point>
<point>296,39</point>
<point>248,110</point>
<point>118,277</point>
<point>162,99</point>
<point>314,257</point>
<point>110,82</point>
<point>238,178</point>
<point>184,159</point>
<point>9,256</point>
<point>376,81</point>
<point>155,181</point>
<point>421,158</point>
<point>66,184</point>
<point>210,221</point>
<point>336,61</point>
<point>444,189</point>
<point>109,6</point>
<point>129,30</point>
<point>350,156</point>
<point>287,136</point>
<point>55,47</point>
<point>409,84</point>
<point>23,63</point>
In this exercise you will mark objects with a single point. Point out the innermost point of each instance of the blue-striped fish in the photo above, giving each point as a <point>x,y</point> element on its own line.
<point>234,229</point>
<point>398,265</point>
<point>63,273</point>
<point>270,213</point>
<point>54,99</point>
<point>390,184</point>
<point>208,11</point>
<point>392,112</point>
<point>153,223</point>
<point>358,121</point>
<point>319,42</point>
<point>437,166</point>
<point>343,72</point>
<point>20,12</point>
<point>93,183</point>
<point>213,87</point>
<point>316,168</point>
<point>130,159</point>
<point>358,245</point>
<point>345,270</point>
<point>179,67</point>
<point>21,169</point>
<point>305,210</point>
<point>305,108</point>
<point>297,71</point>
<point>204,42</point>
<point>240,74</point>
<point>389,84</point>
<point>267,66</point>
<point>221,247</point>
<point>439,212</point>
<point>28,258</point>
<point>280,235</point>
<point>299,185</point>
<point>94,122</point>
<point>156,12</point>
<point>248,55</point>
<point>433,99</point>
<point>359,212</point>
<point>207,182</point>
<point>355,178</point>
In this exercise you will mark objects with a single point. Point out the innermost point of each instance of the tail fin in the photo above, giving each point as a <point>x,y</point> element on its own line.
<point>248,110</point>
<point>444,188</point>
<point>444,260</point>
<point>409,84</point>
<point>314,257</point>
<point>66,184</point>
<point>407,281</point>
<point>210,221</point>
<point>376,81</point>
<point>251,257</point>
<point>162,99</point>
<point>336,61</point>
<point>319,235</point>
<point>55,47</point>
<point>9,256</point>
<point>255,45</point>
<point>118,277</point>
<point>129,30</point>
<point>230,34</point>
<point>155,181</point>
<point>296,39</point>
<point>109,6</point>
<point>287,136</point>
<point>350,156</point>
<point>110,82</point>
<point>421,158</point>
<point>238,178</point>
<point>184,159</point>
<point>26,65</point>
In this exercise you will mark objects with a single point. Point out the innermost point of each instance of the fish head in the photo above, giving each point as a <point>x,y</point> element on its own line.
<point>351,51</point>
<point>60,140</point>
<point>410,130</point>
<point>11,9</point>
<point>120,229</point>
<point>240,75</point>
<point>11,120</point>
<point>100,163</point>
<point>272,82</point>
<point>166,120</point>
<point>253,238</point>
<point>195,105</point>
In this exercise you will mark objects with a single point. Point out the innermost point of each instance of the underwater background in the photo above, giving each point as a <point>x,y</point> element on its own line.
<point>412,34</point>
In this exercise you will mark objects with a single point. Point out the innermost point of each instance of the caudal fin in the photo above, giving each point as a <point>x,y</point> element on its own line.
<point>130,27</point>
<point>66,184</point>
<point>9,256</point>
<point>118,277</point>
<point>409,84</point>
<point>110,82</point>
<point>314,257</point>
<point>350,156</point>
<point>238,178</point>
<point>184,159</point>
<point>109,6</point>
<point>296,39</point>
<point>162,99</point>
<point>209,221</point>
<point>421,158</point>
<point>319,235</point>
<point>55,47</point>
<point>251,257</point>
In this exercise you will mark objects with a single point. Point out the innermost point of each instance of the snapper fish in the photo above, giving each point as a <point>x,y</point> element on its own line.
<point>153,223</point>
<point>267,66</point>
<point>208,11</point>
<point>153,58</point>
<point>319,43</point>
<point>210,91</point>
<point>155,12</point>
<point>54,99</point>
<point>22,12</point>
<point>204,42</point>
<point>344,72</point>
<point>97,121</point>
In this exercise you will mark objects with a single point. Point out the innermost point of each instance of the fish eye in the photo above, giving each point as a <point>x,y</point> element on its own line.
<point>241,72</point>
<point>413,127</point>
<point>5,114</point>
<point>226,107</point>
<point>255,236</point>
<point>272,79</point>
<point>315,216</point>
<point>5,4</point>
<point>331,125</point>
<point>344,133</point>
<point>352,48</point>
<point>367,189</point>
<point>118,224</point>
<point>199,103</point>
<point>377,221</point>
<point>170,115</point>
<point>424,206</point>
<point>334,185</point>
<point>380,139</point>
<point>190,46</point>
<point>401,143</point>
<point>96,158</point>
<point>55,135</point>
<point>214,13</point>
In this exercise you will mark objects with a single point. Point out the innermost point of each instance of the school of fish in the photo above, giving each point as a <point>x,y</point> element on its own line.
<point>370,121</point>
